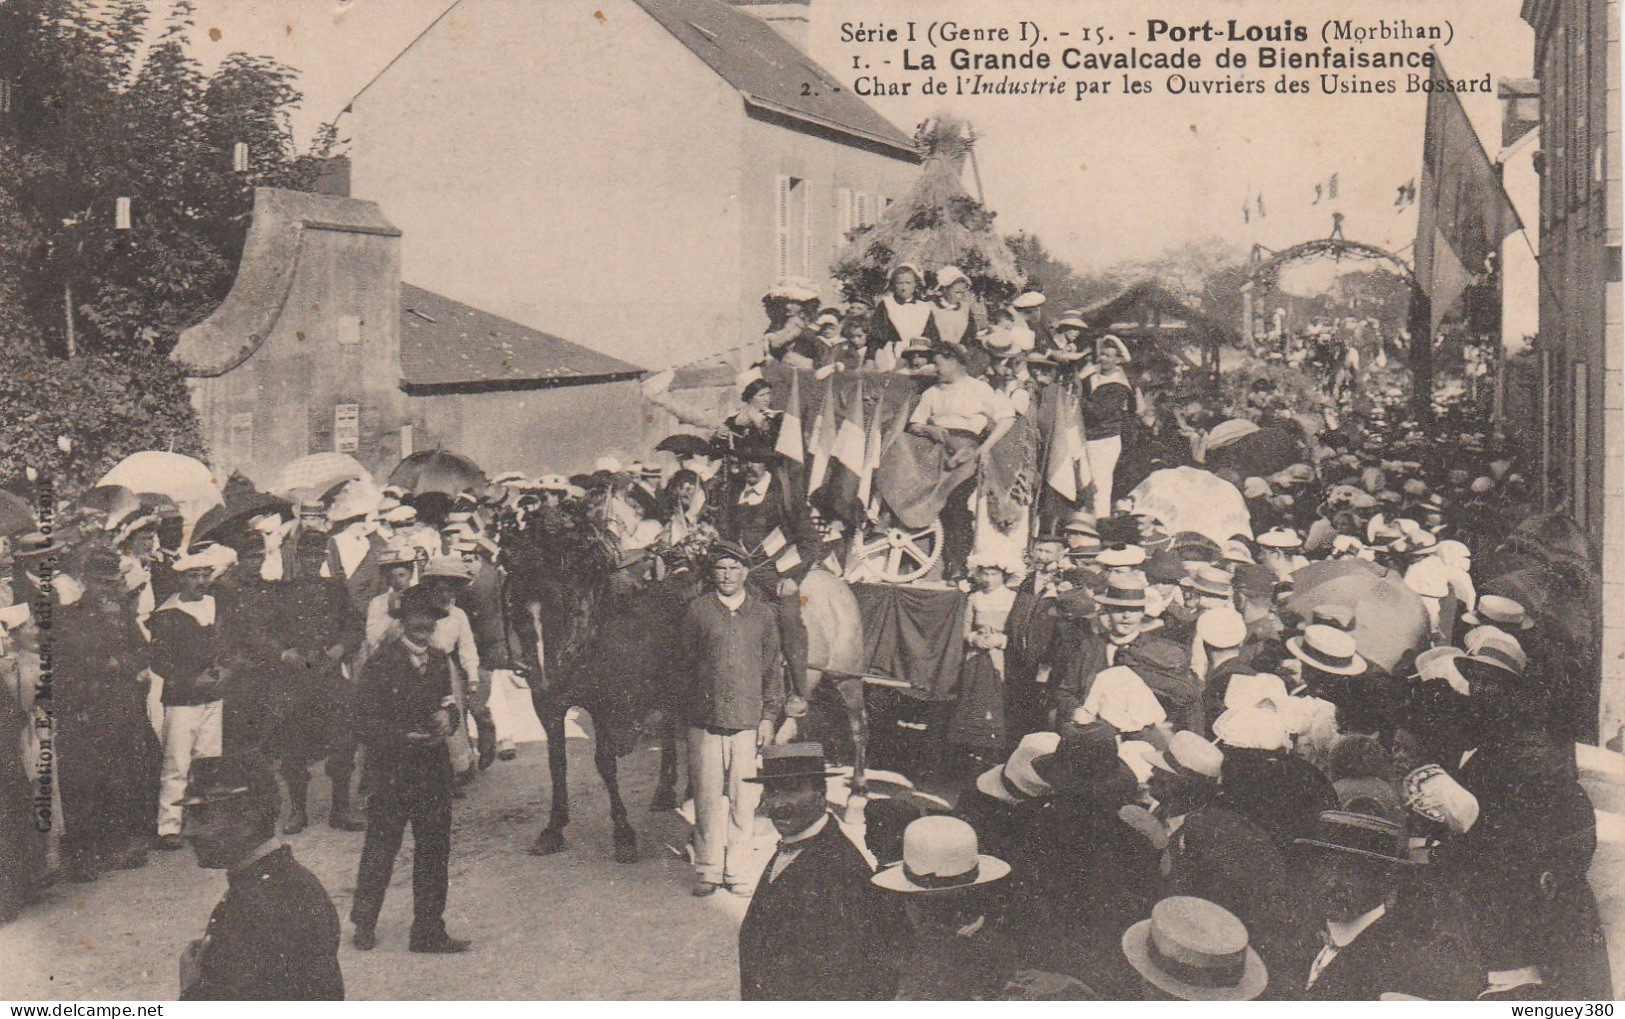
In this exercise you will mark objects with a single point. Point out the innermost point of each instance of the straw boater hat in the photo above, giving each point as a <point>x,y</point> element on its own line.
<point>1124,557</point>
<point>1281,539</point>
<point>1031,299</point>
<point>1495,610</point>
<point>1110,340</point>
<point>1123,590</point>
<point>448,568</point>
<point>781,762</point>
<point>940,854</point>
<point>1494,649</point>
<point>397,552</point>
<point>1210,580</point>
<point>1327,650</point>
<point>1370,838</point>
<point>1195,950</point>
<point>1015,780</point>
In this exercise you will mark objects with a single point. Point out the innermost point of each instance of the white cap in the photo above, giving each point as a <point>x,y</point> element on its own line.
<point>1221,628</point>
<point>1031,299</point>
<point>214,558</point>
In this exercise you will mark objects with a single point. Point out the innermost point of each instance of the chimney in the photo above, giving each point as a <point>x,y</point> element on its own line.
<point>788,17</point>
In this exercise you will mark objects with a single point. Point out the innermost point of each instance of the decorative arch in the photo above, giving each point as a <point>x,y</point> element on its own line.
<point>1264,265</point>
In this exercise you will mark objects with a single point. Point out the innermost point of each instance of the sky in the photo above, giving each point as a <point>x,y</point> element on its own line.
<point>1100,181</point>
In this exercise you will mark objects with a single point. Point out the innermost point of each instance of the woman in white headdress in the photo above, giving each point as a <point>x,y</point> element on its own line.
<point>901,316</point>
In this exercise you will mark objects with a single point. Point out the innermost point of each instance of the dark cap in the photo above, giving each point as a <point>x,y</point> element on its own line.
<point>245,775</point>
<point>721,550</point>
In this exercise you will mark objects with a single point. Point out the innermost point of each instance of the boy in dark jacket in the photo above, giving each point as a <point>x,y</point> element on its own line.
<point>404,711</point>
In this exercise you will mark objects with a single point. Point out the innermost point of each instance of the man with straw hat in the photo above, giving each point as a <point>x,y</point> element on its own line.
<point>1193,950</point>
<point>957,953</point>
<point>813,929</point>
<point>1367,946</point>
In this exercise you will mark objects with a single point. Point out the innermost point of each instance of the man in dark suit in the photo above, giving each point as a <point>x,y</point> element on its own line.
<point>813,929</point>
<point>275,936</point>
<point>1369,947</point>
<point>405,710</point>
<point>1122,636</point>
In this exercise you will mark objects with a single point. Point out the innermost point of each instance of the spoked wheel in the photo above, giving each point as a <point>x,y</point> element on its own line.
<point>896,555</point>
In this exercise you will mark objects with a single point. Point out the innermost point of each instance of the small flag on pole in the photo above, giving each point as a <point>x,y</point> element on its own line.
<point>239,157</point>
<point>822,446</point>
<point>1261,212</point>
<point>1331,187</point>
<point>121,213</point>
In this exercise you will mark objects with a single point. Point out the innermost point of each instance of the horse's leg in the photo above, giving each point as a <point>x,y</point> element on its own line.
<point>626,840</point>
<point>551,838</point>
<point>665,797</point>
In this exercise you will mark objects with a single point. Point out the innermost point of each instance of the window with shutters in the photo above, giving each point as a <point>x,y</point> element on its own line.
<point>791,219</point>
<point>843,215</point>
<point>862,212</point>
<point>346,427</point>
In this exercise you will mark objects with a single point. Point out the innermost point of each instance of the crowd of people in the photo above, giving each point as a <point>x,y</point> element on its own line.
<point>1181,778</point>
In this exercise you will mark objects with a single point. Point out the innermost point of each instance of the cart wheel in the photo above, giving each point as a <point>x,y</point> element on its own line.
<point>897,555</point>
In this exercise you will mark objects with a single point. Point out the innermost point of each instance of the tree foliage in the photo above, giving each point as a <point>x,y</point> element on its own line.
<point>72,419</point>
<point>105,105</point>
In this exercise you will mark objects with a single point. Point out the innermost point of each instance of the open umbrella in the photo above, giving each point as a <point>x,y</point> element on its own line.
<point>107,501</point>
<point>227,524</point>
<point>1260,453</point>
<point>1191,499</point>
<point>16,517</point>
<point>685,444</point>
<point>1389,618</point>
<point>187,481</point>
<point>435,470</point>
<point>312,475</point>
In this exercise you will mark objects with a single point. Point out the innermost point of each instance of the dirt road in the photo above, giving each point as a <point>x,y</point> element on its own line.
<point>576,925</point>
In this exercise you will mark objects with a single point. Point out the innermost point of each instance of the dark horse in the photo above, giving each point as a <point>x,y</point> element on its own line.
<point>600,634</point>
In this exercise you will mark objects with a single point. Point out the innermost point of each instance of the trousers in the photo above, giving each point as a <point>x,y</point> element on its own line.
<point>1103,454</point>
<point>190,731</point>
<point>390,808</point>
<point>718,764</point>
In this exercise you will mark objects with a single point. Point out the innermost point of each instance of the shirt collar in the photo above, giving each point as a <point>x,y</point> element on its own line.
<point>733,602</point>
<point>1342,934</point>
<point>256,861</point>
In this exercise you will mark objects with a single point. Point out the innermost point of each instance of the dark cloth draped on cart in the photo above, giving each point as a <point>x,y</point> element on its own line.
<point>916,635</point>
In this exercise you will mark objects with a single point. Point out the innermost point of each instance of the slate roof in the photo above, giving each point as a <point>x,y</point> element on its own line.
<point>447,343</point>
<point>769,70</point>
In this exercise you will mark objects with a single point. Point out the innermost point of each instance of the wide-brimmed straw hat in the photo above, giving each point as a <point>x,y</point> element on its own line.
<point>940,854</point>
<point>1195,950</point>
<point>1327,650</point>
<point>1016,779</point>
<point>1495,610</point>
<point>784,761</point>
<point>1123,590</point>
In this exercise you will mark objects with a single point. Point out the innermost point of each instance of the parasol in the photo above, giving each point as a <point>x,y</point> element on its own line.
<point>685,444</point>
<point>436,470</point>
<point>1191,499</point>
<point>1257,454</point>
<point>181,478</point>
<point>1389,618</point>
<point>312,475</point>
<point>16,517</point>
<point>107,501</point>
<point>227,524</point>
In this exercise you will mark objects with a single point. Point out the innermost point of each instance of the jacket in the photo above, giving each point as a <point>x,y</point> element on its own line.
<point>395,700</point>
<point>736,678</point>
<point>816,933</point>
<point>1392,955</point>
<point>274,937</point>
<point>183,650</point>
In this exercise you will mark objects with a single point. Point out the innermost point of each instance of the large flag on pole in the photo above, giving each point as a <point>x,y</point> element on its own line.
<point>823,438</point>
<point>789,444</point>
<point>1463,212</point>
<point>1069,471</point>
<point>839,495</point>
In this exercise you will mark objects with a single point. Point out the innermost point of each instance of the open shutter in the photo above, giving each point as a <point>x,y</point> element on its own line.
<point>781,212</point>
